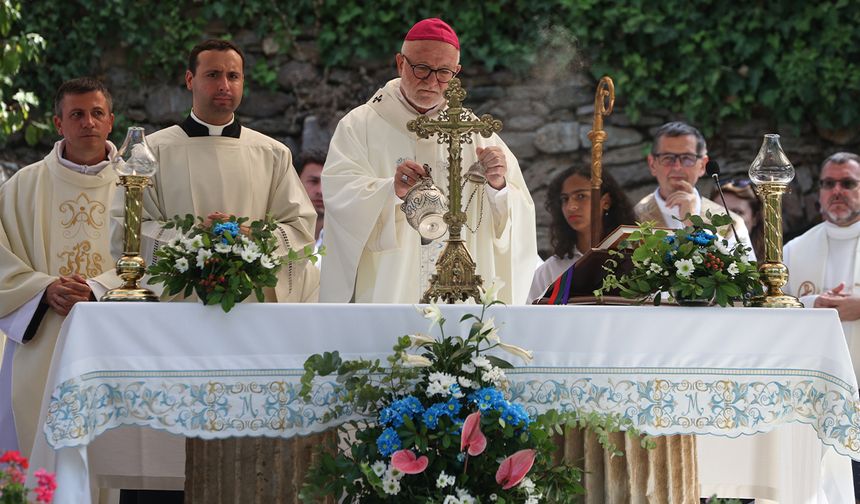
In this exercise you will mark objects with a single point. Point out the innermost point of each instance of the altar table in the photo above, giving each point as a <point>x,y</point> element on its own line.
<point>192,370</point>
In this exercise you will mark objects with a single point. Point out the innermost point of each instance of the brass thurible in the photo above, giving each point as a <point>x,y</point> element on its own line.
<point>771,172</point>
<point>455,278</point>
<point>135,165</point>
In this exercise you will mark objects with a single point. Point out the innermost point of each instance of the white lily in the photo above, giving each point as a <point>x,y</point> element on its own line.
<point>416,360</point>
<point>419,340</point>
<point>492,334</point>
<point>520,352</point>
<point>431,312</point>
<point>492,292</point>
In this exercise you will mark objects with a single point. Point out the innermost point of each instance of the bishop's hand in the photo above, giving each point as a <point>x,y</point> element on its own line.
<point>407,175</point>
<point>494,161</point>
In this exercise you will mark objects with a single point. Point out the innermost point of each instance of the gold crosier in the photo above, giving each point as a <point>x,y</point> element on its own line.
<point>131,266</point>
<point>455,278</point>
<point>604,100</point>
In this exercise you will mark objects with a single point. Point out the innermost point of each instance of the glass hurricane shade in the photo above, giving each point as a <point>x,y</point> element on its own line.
<point>771,165</point>
<point>134,157</point>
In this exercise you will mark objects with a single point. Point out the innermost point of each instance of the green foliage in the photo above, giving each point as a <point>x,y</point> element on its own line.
<point>16,49</point>
<point>422,403</point>
<point>223,262</point>
<point>693,263</point>
<point>796,60</point>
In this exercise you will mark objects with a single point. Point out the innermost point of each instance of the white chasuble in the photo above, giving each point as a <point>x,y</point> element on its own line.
<point>372,254</point>
<point>817,261</point>
<point>250,175</point>
<point>54,222</point>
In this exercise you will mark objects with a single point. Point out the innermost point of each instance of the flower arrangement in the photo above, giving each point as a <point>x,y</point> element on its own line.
<point>438,427</point>
<point>221,263</point>
<point>692,263</point>
<point>13,474</point>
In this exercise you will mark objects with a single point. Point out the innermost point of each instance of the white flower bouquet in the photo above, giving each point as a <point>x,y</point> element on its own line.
<point>221,263</point>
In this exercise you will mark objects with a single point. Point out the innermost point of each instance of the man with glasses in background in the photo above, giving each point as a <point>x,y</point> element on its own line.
<point>823,269</point>
<point>677,160</point>
<point>373,255</point>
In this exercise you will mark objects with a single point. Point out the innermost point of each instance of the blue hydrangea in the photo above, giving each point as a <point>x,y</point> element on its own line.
<point>388,442</point>
<point>452,407</point>
<point>223,228</point>
<point>487,399</point>
<point>388,416</point>
<point>669,239</point>
<point>702,238</point>
<point>400,410</point>
<point>432,414</point>
<point>515,414</point>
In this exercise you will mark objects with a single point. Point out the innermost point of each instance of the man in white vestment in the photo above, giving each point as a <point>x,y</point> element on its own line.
<point>677,160</point>
<point>54,235</point>
<point>213,167</point>
<point>372,253</point>
<point>823,269</point>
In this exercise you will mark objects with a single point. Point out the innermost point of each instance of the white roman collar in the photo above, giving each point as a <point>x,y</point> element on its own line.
<point>214,130</point>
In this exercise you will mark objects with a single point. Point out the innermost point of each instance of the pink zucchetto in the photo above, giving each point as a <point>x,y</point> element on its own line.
<point>433,29</point>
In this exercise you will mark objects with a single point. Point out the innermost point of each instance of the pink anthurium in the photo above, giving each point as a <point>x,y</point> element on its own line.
<point>406,462</point>
<point>471,437</point>
<point>514,468</point>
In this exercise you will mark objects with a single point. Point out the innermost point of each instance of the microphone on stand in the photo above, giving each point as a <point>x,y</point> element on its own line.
<point>713,169</point>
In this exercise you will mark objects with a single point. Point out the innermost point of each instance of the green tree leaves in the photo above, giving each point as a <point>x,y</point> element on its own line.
<point>16,49</point>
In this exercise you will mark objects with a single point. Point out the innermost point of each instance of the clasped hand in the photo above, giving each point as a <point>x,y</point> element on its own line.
<point>64,292</point>
<point>222,217</point>
<point>848,305</point>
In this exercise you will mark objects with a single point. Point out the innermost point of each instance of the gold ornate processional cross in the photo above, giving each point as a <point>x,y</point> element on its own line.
<point>455,278</point>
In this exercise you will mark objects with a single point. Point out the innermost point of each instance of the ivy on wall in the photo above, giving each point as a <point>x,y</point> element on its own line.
<point>708,60</point>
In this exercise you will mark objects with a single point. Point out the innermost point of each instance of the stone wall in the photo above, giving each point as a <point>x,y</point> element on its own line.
<point>546,121</point>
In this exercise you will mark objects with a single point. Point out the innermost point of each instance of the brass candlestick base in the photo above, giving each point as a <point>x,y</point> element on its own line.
<point>131,267</point>
<point>775,276</point>
<point>455,278</point>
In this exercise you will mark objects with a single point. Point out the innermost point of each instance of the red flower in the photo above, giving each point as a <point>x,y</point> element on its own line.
<point>13,457</point>
<point>471,436</point>
<point>514,468</point>
<point>406,462</point>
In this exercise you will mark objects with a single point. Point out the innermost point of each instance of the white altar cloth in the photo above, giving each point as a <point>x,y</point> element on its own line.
<point>192,370</point>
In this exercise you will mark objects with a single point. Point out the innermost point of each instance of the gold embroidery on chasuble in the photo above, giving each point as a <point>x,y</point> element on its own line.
<point>81,260</point>
<point>82,216</point>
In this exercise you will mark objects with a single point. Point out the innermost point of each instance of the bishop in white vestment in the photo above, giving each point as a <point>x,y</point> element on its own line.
<point>373,254</point>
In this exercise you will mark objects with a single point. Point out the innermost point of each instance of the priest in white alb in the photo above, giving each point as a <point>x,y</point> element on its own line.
<point>823,269</point>
<point>212,166</point>
<point>54,235</point>
<point>372,254</point>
